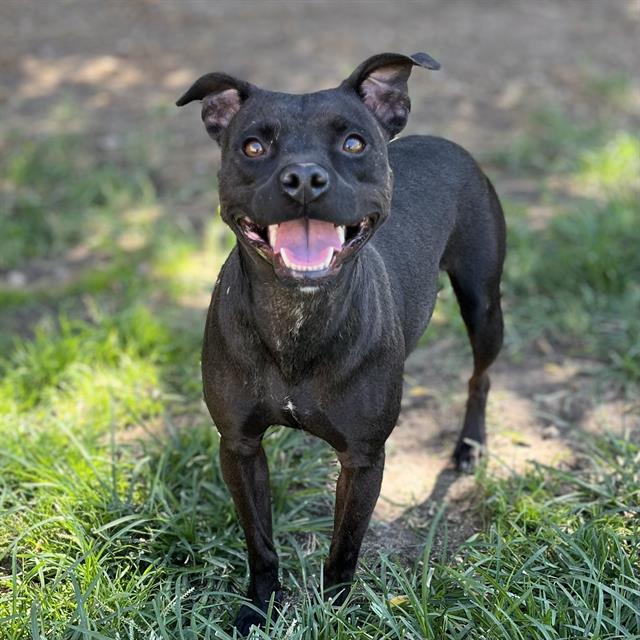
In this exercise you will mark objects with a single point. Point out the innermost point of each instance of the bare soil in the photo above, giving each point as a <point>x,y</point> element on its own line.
<point>121,60</point>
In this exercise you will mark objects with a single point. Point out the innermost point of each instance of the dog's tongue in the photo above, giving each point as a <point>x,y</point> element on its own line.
<point>308,243</point>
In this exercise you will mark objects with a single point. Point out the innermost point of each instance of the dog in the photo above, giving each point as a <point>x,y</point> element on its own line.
<point>341,233</point>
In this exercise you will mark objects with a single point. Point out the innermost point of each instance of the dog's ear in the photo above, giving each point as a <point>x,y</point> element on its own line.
<point>222,97</point>
<point>381,83</point>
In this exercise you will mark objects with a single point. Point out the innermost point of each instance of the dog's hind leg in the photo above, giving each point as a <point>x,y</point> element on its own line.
<point>475,275</point>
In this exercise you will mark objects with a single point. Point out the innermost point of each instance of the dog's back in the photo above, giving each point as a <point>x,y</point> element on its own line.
<point>444,213</point>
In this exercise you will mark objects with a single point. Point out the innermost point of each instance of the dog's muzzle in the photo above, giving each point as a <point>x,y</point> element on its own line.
<point>306,248</point>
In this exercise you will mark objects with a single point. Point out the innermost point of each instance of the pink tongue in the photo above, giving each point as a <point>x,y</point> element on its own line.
<point>308,243</point>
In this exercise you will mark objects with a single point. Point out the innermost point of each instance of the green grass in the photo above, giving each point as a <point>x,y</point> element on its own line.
<point>146,543</point>
<point>577,282</point>
<point>575,278</point>
<point>114,520</point>
<point>57,195</point>
<point>613,169</point>
<point>552,143</point>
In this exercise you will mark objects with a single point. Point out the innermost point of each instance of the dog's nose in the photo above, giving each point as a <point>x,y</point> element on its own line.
<point>304,181</point>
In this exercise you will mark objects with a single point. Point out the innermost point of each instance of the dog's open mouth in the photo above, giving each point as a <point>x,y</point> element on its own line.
<point>306,248</point>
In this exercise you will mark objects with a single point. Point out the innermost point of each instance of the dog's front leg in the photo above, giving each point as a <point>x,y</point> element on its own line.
<point>245,470</point>
<point>357,492</point>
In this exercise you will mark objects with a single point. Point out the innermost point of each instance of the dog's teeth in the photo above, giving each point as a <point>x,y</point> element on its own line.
<point>341,231</point>
<point>285,257</point>
<point>299,267</point>
<point>273,234</point>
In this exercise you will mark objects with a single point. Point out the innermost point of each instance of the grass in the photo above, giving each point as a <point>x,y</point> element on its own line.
<point>574,279</point>
<point>148,546</point>
<point>582,290</point>
<point>58,195</point>
<point>114,521</point>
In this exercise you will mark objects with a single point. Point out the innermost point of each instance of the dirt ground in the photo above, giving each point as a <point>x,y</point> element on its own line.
<point>124,60</point>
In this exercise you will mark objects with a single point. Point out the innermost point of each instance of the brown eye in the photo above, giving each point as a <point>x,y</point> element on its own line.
<point>354,144</point>
<point>253,148</point>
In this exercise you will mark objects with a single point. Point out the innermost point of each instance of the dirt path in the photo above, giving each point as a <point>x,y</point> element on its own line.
<point>536,410</point>
<point>122,61</point>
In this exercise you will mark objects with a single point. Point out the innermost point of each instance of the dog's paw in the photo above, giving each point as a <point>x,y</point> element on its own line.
<point>248,617</point>
<point>466,456</point>
<point>256,615</point>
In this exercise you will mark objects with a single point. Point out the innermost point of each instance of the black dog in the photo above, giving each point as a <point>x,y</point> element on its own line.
<point>319,304</point>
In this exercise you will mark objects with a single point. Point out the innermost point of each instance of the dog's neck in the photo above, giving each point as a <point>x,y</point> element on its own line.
<point>299,326</point>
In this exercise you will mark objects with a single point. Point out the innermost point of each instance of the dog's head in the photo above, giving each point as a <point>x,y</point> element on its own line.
<point>305,179</point>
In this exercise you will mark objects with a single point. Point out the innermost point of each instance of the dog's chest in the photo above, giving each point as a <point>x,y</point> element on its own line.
<point>306,406</point>
<point>295,329</point>
<point>286,333</point>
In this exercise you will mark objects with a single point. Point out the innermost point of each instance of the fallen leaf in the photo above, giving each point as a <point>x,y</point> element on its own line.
<point>398,601</point>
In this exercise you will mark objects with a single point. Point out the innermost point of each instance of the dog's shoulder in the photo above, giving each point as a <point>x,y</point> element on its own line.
<point>419,152</point>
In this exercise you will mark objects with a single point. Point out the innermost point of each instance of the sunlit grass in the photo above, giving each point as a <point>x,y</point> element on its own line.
<point>103,544</point>
<point>575,277</point>
<point>552,143</point>
<point>583,288</point>
<point>614,169</point>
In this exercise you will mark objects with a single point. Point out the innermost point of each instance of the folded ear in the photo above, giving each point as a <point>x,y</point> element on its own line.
<point>381,83</point>
<point>222,97</point>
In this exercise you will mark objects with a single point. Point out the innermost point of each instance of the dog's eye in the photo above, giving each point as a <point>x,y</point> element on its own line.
<point>354,144</point>
<point>253,148</point>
